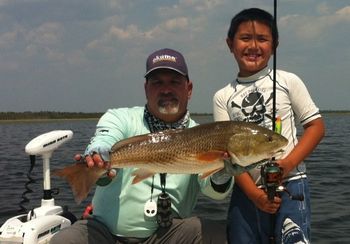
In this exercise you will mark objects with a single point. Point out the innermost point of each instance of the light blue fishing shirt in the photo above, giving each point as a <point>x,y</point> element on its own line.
<point>120,204</point>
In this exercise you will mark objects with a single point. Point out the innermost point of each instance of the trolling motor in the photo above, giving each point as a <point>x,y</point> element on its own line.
<point>44,145</point>
<point>40,224</point>
<point>271,177</point>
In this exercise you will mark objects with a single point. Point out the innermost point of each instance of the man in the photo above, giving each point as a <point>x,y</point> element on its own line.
<point>124,212</point>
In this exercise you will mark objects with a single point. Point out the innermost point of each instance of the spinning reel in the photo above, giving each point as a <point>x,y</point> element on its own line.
<point>271,177</point>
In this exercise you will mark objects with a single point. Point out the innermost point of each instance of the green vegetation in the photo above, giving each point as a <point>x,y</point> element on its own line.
<point>45,115</point>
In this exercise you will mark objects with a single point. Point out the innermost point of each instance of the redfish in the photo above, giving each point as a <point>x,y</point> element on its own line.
<point>198,150</point>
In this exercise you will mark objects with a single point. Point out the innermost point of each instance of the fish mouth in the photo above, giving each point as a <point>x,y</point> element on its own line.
<point>273,155</point>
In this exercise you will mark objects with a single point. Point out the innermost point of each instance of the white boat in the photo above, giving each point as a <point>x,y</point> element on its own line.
<point>40,224</point>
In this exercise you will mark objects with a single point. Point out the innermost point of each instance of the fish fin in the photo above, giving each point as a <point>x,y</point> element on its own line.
<point>211,156</point>
<point>206,174</point>
<point>141,174</point>
<point>142,138</point>
<point>127,141</point>
<point>80,178</point>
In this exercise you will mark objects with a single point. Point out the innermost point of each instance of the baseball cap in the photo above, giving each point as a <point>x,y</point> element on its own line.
<point>166,59</point>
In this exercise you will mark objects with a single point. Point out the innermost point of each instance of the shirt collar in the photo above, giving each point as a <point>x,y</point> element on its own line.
<point>257,76</point>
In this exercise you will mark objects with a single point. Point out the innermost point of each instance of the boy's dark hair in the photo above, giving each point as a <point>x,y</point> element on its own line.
<point>252,14</point>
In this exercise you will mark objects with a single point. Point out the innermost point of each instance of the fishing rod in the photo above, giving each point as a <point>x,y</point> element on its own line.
<point>274,67</point>
<point>276,174</point>
<point>271,173</point>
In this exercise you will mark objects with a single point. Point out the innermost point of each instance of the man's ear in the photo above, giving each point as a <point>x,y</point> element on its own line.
<point>145,87</point>
<point>190,88</point>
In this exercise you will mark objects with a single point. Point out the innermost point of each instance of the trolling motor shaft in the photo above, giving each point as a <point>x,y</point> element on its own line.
<point>271,176</point>
<point>44,145</point>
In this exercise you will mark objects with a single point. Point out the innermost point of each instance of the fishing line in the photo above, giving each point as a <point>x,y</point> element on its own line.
<point>274,67</point>
<point>274,33</point>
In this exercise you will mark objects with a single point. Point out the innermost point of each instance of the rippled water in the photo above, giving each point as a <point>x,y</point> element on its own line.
<point>328,170</point>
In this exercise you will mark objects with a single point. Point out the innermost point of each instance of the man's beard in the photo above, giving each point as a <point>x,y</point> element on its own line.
<point>169,107</point>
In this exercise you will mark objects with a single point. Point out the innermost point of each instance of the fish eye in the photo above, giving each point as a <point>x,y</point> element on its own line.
<point>269,138</point>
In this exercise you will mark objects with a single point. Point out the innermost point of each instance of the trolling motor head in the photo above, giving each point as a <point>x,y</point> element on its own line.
<point>44,145</point>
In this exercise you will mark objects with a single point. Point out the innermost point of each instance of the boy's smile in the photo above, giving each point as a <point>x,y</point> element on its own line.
<point>252,47</point>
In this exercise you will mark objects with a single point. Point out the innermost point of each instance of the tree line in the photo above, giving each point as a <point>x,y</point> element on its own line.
<point>47,115</point>
<point>80,115</point>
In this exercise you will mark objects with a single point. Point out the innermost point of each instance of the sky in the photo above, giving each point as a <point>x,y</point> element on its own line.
<point>88,56</point>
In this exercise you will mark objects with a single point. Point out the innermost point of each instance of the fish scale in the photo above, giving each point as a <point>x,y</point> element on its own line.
<point>198,150</point>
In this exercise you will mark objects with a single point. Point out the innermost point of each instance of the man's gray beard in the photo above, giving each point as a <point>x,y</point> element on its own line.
<point>169,109</point>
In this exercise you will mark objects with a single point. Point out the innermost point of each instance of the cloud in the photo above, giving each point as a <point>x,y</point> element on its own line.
<point>96,42</point>
<point>169,28</point>
<point>313,27</point>
<point>48,33</point>
<point>45,40</point>
<point>189,7</point>
<point>180,23</point>
<point>7,39</point>
<point>132,33</point>
<point>323,8</point>
<point>177,22</point>
<point>344,13</point>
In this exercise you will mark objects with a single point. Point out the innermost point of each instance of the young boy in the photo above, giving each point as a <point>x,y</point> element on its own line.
<point>252,39</point>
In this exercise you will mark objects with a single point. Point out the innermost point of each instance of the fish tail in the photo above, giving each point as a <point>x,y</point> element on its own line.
<point>80,178</point>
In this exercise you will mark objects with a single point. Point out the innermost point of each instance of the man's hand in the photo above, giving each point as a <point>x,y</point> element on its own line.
<point>230,169</point>
<point>95,160</point>
<point>92,160</point>
<point>234,169</point>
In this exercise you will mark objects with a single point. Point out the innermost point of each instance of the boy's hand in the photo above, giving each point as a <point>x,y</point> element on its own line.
<point>262,202</point>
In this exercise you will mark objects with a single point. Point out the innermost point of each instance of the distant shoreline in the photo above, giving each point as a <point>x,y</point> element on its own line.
<point>51,115</point>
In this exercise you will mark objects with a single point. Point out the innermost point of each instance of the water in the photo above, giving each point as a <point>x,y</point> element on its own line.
<point>328,170</point>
